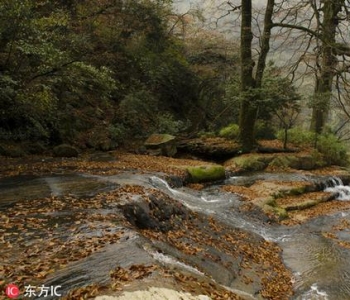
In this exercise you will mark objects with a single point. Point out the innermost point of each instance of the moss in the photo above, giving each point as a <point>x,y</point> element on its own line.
<point>285,162</point>
<point>297,191</point>
<point>277,212</point>
<point>249,162</point>
<point>281,213</point>
<point>301,206</point>
<point>206,173</point>
<point>271,202</point>
<point>231,131</point>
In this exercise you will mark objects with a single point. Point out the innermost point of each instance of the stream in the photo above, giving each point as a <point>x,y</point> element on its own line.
<point>320,266</point>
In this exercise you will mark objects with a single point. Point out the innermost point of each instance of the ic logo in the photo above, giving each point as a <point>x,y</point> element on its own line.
<point>12,291</point>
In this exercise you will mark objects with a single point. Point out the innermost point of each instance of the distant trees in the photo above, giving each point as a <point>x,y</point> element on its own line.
<point>321,20</point>
<point>324,24</point>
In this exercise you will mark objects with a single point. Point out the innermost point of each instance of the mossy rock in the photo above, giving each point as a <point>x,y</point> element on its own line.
<point>35,148</point>
<point>285,162</point>
<point>12,151</point>
<point>161,144</point>
<point>302,205</point>
<point>249,162</point>
<point>281,213</point>
<point>65,150</point>
<point>307,162</point>
<point>206,173</point>
<point>277,212</point>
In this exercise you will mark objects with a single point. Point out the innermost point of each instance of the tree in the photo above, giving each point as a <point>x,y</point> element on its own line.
<point>324,41</point>
<point>250,84</point>
<point>280,100</point>
<point>328,61</point>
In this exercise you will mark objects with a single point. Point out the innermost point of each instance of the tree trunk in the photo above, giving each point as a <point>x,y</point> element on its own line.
<point>248,109</point>
<point>323,88</point>
<point>249,85</point>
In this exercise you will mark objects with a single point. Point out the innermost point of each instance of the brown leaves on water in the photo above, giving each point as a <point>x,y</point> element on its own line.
<point>343,225</point>
<point>43,235</point>
<point>118,278</point>
<point>196,235</point>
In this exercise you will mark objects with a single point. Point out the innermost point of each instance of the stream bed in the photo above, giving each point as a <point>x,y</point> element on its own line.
<point>321,267</point>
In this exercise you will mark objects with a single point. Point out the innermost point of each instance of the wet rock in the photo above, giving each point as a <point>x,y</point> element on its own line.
<point>138,216</point>
<point>65,150</point>
<point>159,214</point>
<point>161,144</point>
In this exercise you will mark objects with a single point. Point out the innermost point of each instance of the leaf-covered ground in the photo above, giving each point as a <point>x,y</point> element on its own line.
<point>43,236</point>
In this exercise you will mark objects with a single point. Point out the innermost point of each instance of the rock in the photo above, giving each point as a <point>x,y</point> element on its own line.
<point>12,151</point>
<point>287,161</point>
<point>249,162</point>
<point>213,148</point>
<point>102,157</point>
<point>65,150</point>
<point>35,148</point>
<point>159,214</point>
<point>206,173</point>
<point>161,144</point>
<point>307,162</point>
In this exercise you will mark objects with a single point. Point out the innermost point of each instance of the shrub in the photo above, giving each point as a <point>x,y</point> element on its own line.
<point>330,149</point>
<point>264,131</point>
<point>166,123</point>
<point>298,136</point>
<point>231,131</point>
<point>333,151</point>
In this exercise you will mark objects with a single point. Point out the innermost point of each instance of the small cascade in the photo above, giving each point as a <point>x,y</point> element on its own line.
<point>336,186</point>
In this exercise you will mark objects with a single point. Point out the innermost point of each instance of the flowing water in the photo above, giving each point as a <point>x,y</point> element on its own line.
<point>321,267</point>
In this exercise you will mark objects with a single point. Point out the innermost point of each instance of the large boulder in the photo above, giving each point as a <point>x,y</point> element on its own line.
<point>206,173</point>
<point>65,150</point>
<point>212,148</point>
<point>161,144</point>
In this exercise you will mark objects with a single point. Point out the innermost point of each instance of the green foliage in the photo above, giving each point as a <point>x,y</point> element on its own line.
<point>264,131</point>
<point>333,150</point>
<point>328,148</point>
<point>298,136</point>
<point>70,69</point>
<point>166,123</point>
<point>231,131</point>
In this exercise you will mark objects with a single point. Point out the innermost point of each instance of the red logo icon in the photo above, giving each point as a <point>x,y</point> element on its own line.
<point>12,291</point>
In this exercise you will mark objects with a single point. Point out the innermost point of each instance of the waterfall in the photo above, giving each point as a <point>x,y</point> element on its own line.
<point>336,186</point>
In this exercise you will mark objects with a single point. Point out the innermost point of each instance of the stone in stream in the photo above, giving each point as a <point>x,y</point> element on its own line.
<point>206,173</point>
<point>158,214</point>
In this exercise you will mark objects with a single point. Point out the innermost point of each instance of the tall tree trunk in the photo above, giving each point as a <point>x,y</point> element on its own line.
<point>249,85</point>
<point>323,88</point>
<point>248,109</point>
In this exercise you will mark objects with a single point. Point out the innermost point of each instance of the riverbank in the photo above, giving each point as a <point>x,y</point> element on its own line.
<point>47,236</point>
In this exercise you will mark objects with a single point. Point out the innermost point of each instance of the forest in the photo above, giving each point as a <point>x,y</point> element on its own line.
<point>172,149</point>
<point>99,74</point>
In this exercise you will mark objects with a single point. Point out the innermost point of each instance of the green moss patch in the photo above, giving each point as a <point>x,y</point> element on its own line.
<point>206,173</point>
